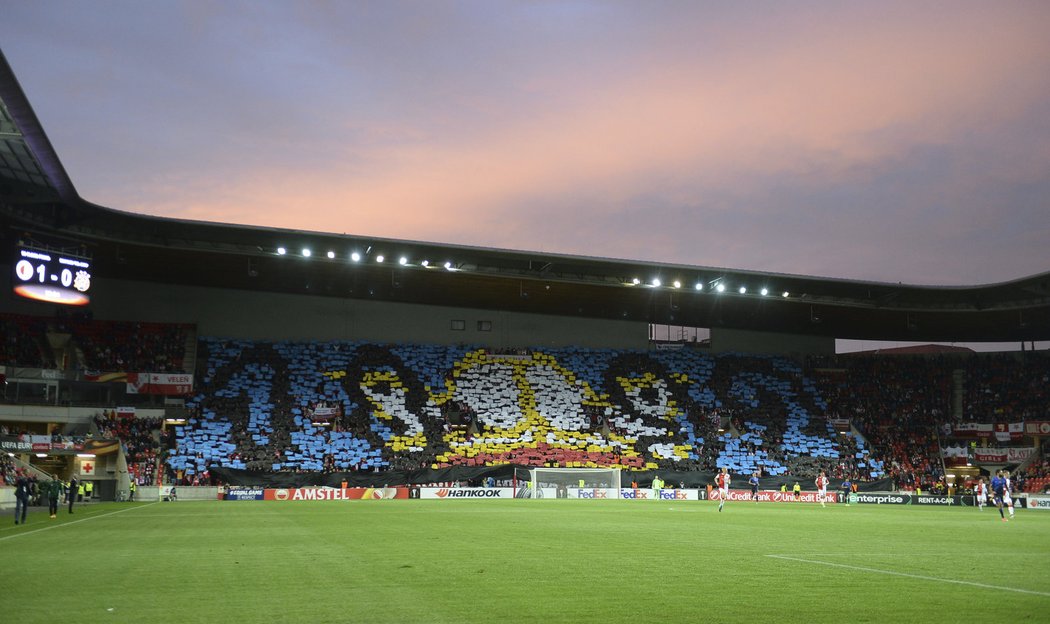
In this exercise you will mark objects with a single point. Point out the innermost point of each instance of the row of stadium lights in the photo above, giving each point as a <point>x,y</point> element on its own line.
<point>718,285</point>
<point>380,258</point>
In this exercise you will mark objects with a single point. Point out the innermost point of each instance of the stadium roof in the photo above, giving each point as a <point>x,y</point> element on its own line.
<point>39,203</point>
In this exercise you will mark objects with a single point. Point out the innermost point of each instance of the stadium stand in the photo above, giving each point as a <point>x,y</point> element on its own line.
<point>110,346</point>
<point>7,470</point>
<point>120,346</point>
<point>1005,388</point>
<point>361,406</point>
<point>896,403</point>
<point>339,406</point>
<point>23,343</point>
<point>141,440</point>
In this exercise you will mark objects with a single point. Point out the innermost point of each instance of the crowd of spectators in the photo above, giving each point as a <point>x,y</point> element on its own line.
<point>1036,475</point>
<point>675,410</point>
<point>122,346</point>
<point>108,346</point>
<point>7,470</point>
<point>897,403</point>
<point>1006,387</point>
<point>140,438</point>
<point>22,343</point>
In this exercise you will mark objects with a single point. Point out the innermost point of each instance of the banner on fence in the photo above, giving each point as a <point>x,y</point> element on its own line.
<point>334,494</point>
<point>1036,501</point>
<point>1037,427</point>
<point>1014,455</point>
<point>159,383</point>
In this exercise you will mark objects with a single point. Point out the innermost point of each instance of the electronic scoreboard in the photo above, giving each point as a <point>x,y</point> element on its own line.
<point>52,276</point>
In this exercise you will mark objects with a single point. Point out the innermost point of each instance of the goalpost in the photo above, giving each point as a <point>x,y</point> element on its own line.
<point>558,482</point>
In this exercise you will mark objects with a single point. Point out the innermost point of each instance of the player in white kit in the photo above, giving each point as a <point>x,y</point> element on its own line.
<point>722,480</point>
<point>822,488</point>
<point>980,492</point>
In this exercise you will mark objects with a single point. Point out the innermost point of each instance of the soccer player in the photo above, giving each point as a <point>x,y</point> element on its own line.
<point>797,491</point>
<point>847,487</point>
<point>822,487</point>
<point>754,486</point>
<point>722,480</point>
<point>1008,498</point>
<point>980,492</point>
<point>998,489</point>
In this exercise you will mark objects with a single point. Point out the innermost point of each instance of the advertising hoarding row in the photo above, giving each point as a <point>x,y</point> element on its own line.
<point>241,493</point>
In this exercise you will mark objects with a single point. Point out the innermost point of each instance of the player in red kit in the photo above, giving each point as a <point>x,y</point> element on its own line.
<point>722,481</point>
<point>822,488</point>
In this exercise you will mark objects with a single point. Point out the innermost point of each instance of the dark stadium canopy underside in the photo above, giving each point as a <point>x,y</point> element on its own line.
<point>39,204</point>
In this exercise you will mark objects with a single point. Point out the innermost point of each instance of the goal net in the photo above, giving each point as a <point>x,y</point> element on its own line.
<point>571,482</point>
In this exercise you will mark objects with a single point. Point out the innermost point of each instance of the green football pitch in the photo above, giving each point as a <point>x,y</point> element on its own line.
<point>524,561</point>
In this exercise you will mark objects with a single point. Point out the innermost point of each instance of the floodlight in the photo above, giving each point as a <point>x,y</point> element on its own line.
<point>306,252</point>
<point>281,251</point>
<point>331,255</point>
<point>379,258</point>
<point>785,294</point>
<point>677,284</point>
<point>764,291</point>
<point>425,263</point>
<point>699,286</point>
<point>356,257</point>
<point>656,283</point>
<point>720,287</point>
<point>742,290</point>
<point>403,261</point>
<point>636,281</point>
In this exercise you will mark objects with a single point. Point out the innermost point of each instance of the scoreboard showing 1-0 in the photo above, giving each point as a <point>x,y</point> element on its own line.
<point>54,277</point>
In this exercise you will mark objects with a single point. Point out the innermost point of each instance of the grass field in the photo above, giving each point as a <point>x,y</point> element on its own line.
<point>524,561</point>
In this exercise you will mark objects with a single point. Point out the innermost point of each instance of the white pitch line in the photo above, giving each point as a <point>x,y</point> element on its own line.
<point>914,576</point>
<point>65,524</point>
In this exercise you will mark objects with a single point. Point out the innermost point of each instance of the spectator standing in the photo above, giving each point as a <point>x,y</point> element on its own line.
<point>71,494</point>
<point>53,489</point>
<point>22,492</point>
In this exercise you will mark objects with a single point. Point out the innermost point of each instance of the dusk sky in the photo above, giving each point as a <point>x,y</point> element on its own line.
<point>887,141</point>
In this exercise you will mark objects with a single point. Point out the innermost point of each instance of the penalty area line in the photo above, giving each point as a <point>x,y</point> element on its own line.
<point>914,576</point>
<point>65,524</point>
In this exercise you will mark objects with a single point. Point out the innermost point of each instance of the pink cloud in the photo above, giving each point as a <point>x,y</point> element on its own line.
<point>826,99</point>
